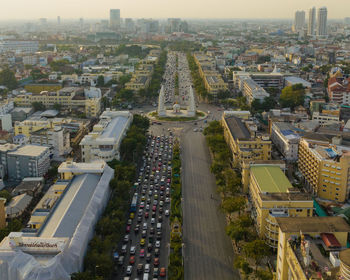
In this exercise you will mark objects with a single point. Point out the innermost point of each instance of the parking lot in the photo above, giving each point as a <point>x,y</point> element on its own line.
<point>145,250</point>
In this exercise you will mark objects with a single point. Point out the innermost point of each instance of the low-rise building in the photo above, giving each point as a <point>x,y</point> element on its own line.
<point>244,141</point>
<point>18,162</point>
<point>309,247</point>
<point>60,226</point>
<point>70,98</point>
<point>286,137</point>
<point>325,119</point>
<point>272,196</point>
<point>18,205</point>
<point>56,138</point>
<point>325,168</point>
<point>105,139</point>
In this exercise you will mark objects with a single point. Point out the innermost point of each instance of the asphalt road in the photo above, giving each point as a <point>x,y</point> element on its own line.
<point>120,270</point>
<point>208,251</point>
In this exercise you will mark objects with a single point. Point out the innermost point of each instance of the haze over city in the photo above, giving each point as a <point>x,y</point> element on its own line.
<point>23,9</point>
<point>174,139</point>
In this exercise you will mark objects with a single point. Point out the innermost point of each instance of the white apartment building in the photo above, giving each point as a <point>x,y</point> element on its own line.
<point>251,90</point>
<point>325,119</point>
<point>105,139</point>
<point>5,117</point>
<point>285,138</point>
<point>19,46</point>
<point>56,138</point>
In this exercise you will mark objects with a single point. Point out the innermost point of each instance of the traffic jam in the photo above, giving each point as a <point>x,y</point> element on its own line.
<point>145,249</point>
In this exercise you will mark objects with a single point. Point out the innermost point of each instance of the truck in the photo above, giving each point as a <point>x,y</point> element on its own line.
<point>134,203</point>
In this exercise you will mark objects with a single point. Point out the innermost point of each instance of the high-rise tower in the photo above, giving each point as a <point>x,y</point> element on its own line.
<point>322,21</point>
<point>312,22</point>
<point>114,19</point>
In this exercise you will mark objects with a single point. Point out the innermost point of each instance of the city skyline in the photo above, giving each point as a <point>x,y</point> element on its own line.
<point>272,9</point>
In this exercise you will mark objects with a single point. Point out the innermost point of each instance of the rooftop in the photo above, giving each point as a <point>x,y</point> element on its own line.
<point>29,150</point>
<point>271,179</point>
<point>237,128</point>
<point>313,224</point>
<point>67,214</point>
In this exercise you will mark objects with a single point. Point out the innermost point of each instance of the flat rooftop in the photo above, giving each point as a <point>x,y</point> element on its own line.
<point>271,179</point>
<point>286,197</point>
<point>237,128</point>
<point>313,224</point>
<point>68,213</point>
<point>29,150</point>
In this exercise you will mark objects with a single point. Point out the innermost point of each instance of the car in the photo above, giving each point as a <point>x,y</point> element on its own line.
<point>151,231</point>
<point>150,193</point>
<point>140,212</point>
<point>132,260</point>
<point>160,219</point>
<point>160,210</point>
<point>124,247</point>
<point>147,207</point>
<point>149,247</point>
<point>121,260</point>
<point>147,268</point>
<point>132,215</point>
<point>143,198</point>
<point>167,200</point>
<point>132,250</point>
<point>155,202</point>
<point>153,220</point>
<point>129,270</point>
<point>129,222</point>
<point>155,272</point>
<point>157,244</point>
<point>137,228</point>
<point>126,238</point>
<point>146,215</point>
<point>161,203</point>
<point>154,208</point>
<point>139,219</point>
<point>142,253</point>
<point>156,252</point>
<point>139,268</point>
<point>144,233</point>
<point>142,204</point>
<point>167,212</point>
<point>162,272</point>
<point>156,262</point>
<point>127,229</point>
<point>148,257</point>
<point>142,242</point>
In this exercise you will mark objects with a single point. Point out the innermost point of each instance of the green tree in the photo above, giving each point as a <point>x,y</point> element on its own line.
<point>236,232</point>
<point>256,250</point>
<point>223,94</point>
<point>292,96</point>
<point>124,79</point>
<point>8,79</point>
<point>100,81</point>
<point>38,106</point>
<point>86,275</point>
<point>57,107</point>
<point>6,194</point>
<point>37,74</point>
<point>233,181</point>
<point>233,204</point>
<point>241,263</point>
<point>264,275</point>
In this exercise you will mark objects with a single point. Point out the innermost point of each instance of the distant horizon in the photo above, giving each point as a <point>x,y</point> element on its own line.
<point>162,9</point>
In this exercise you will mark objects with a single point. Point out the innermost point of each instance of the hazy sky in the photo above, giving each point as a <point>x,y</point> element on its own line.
<point>34,9</point>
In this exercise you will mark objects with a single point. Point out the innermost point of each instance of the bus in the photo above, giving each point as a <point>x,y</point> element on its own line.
<point>134,203</point>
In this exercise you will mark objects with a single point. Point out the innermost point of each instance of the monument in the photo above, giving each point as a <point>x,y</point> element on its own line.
<point>191,109</point>
<point>161,101</point>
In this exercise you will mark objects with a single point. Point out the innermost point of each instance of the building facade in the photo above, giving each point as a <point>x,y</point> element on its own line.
<point>244,142</point>
<point>325,168</point>
<point>272,196</point>
<point>105,139</point>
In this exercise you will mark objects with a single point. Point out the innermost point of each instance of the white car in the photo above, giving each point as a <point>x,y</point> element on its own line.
<point>167,212</point>
<point>157,244</point>
<point>132,250</point>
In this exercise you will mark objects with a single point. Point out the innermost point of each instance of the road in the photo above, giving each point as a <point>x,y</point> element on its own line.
<point>208,251</point>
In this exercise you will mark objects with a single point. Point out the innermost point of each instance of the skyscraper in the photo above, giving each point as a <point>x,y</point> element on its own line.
<point>299,21</point>
<point>114,19</point>
<point>58,20</point>
<point>322,21</point>
<point>312,22</point>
